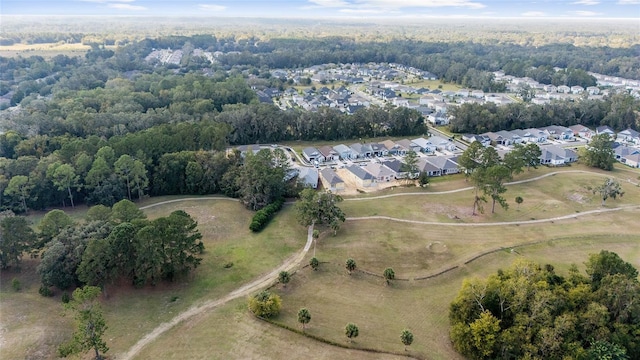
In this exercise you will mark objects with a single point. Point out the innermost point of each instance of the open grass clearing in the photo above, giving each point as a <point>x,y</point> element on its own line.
<point>561,194</point>
<point>130,313</point>
<point>416,250</point>
<point>46,50</point>
<point>230,332</point>
<point>381,312</point>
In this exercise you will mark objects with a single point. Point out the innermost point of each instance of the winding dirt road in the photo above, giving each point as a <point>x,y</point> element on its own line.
<point>245,290</point>
<point>270,278</point>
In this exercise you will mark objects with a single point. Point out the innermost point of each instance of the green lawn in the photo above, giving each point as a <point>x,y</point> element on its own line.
<point>129,312</point>
<point>33,326</point>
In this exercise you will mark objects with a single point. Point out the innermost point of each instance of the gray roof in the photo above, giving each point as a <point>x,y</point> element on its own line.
<point>329,175</point>
<point>360,172</point>
<point>311,152</point>
<point>342,148</point>
<point>442,162</point>
<point>379,170</point>
<point>395,165</point>
<point>308,176</point>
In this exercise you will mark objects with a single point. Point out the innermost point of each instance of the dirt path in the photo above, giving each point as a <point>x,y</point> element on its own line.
<point>502,223</point>
<point>245,290</point>
<point>471,188</point>
<point>268,279</point>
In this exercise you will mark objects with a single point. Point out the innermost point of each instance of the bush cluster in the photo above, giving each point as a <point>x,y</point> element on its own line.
<point>264,215</point>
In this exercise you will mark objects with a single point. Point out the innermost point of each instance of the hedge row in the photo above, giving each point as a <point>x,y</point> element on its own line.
<point>264,215</point>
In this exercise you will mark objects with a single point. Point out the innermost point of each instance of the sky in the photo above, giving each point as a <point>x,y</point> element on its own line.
<point>361,9</point>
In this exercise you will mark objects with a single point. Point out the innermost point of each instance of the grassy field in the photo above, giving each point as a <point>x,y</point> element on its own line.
<point>413,250</point>
<point>130,313</point>
<point>45,50</point>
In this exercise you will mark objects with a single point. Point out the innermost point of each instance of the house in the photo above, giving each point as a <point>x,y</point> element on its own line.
<point>361,150</point>
<point>378,149</point>
<point>515,138</point>
<point>531,135</point>
<point>620,152</point>
<point>593,90</point>
<point>447,165</point>
<point>582,131</point>
<point>397,167</point>
<point>563,89</point>
<point>312,155</point>
<point>577,89</point>
<point>360,176</point>
<point>558,132</point>
<point>344,151</point>
<point>380,172</point>
<point>409,145</point>
<point>425,145</point>
<point>394,148</point>
<point>484,140</point>
<point>442,144</point>
<point>557,156</point>
<point>605,130</point>
<point>328,153</point>
<point>428,168</point>
<point>308,177</point>
<point>632,160</point>
<point>629,136</point>
<point>498,139</point>
<point>331,181</point>
<point>438,118</point>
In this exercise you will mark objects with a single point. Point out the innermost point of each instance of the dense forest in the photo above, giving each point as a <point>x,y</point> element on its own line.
<point>529,311</point>
<point>111,125</point>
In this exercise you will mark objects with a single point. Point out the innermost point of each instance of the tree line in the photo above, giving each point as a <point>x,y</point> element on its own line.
<point>530,311</point>
<point>618,110</point>
<point>111,243</point>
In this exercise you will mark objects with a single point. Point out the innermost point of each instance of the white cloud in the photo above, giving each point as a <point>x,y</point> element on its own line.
<point>121,6</point>
<point>628,2</point>
<point>584,13</point>
<point>396,4</point>
<point>212,7</point>
<point>586,2</point>
<point>422,3</point>
<point>330,3</point>
<point>363,11</point>
<point>533,13</point>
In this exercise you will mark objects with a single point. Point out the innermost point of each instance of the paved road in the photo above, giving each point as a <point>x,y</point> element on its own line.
<point>245,290</point>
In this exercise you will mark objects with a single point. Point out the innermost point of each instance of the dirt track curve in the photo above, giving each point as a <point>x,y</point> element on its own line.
<point>245,290</point>
<point>271,277</point>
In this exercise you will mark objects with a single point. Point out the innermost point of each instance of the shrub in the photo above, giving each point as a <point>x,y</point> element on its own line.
<point>265,304</point>
<point>15,284</point>
<point>45,291</point>
<point>264,215</point>
<point>65,297</point>
<point>314,263</point>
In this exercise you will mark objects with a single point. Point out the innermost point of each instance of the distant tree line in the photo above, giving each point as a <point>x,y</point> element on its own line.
<point>617,110</point>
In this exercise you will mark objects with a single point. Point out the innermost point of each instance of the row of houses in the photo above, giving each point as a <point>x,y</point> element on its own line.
<point>553,132</point>
<point>369,175</point>
<point>327,154</point>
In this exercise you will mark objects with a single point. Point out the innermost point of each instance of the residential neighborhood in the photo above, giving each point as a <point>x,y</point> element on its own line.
<point>373,166</point>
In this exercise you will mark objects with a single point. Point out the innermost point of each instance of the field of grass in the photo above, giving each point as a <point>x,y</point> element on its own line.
<point>413,250</point>
<point>129,312</point>
<point>557,195</point>
<point>45,50</point>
